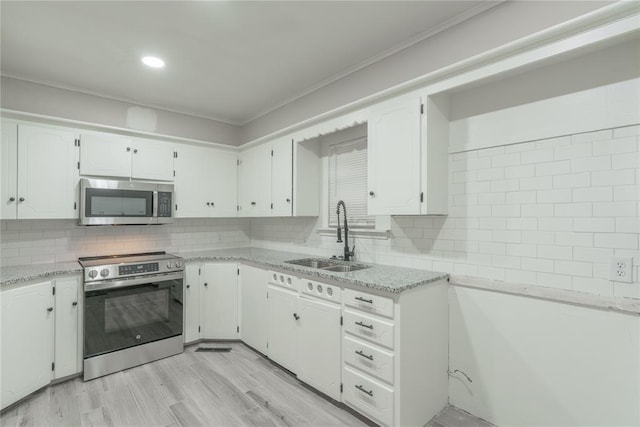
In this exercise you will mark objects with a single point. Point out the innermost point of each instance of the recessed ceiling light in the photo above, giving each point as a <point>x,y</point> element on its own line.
<point>153,62</point>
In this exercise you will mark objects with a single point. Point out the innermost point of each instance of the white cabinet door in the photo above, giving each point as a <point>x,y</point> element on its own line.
<point>152,160</point>
<point>68,299</point>
<point>319,346</point>
<point>191,303</point>
<point>47,173</point>
<point>9,172</point>
<point>219,301</point>
<point>282,177</point>
<point>193,181</point>
<point>103,154</point>
<point>255,181</point>
<point>394,158</point>
<point>224,184</point>
<point>283,327</point>
<point>253,307</point>
<point>26,340</point>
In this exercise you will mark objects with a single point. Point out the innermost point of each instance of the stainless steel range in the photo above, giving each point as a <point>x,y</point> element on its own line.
<point>132,310</point>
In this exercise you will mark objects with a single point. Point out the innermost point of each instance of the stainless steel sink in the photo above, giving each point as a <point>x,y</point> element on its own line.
<point>327,265</point>
<point>345,268</point>
<point>313,263</point>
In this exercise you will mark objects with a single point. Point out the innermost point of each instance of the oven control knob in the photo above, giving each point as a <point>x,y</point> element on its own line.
<point>93,274</point>
<point>104,272</point>
<point>169,265</point>
<point>178,264</point>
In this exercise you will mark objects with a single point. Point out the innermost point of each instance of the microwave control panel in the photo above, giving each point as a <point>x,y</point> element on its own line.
<point>164,204</point>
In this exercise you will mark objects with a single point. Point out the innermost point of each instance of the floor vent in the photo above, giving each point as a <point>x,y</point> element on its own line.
<point>215,349</point>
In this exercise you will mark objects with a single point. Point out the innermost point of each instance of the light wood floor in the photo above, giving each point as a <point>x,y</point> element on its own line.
<point>191,389</point>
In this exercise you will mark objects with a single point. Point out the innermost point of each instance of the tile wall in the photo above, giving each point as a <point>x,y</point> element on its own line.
<point>550,212</point>
<point>44,241</point>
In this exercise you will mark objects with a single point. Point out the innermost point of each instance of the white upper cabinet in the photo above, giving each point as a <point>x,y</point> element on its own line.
<point>281,177</point>
<point>47,173</point>
<point>116,156</point>
<point>152,159</point>
<point>103,154</point>
<point>254,182</point>
<point>407,157</point>
<point>394,158</point>
<point>206,183</point>
<point>9,170</point>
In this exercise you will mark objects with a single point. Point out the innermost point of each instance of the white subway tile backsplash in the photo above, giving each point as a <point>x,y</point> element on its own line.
<point>574,151</point>
<point>613,177</point>
<point>589,164</point>
<point>555,224</point>
<point>537,156</point>
<point>520,171</point>
<point>572,180</point>
<point>573,210</point>
<point>592,194</point>
<point>602,225</point>
<point>592,136</point>
<point>553,168</point>
<point>536,183</point>
<point>573,268</point>
<point>626,131</point>
<point>615,146</point>
<point>520,197</point>
<point>616,240</point>
<point>616,209</point>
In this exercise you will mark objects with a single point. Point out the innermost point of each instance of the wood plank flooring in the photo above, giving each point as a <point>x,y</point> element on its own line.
<point>239,388</point>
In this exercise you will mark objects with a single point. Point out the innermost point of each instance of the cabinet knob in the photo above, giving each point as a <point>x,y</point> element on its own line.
<point>50,309</point>
<point>206,284</point>
<point>213,204</point>
<point>21,199</point>
<point>208,204</point>
<point>188,286</point>
<point>372,193</point>
<point>135,151</point>
<point>128,149</point>
<point>253,203</point>
<point>74,303</point>
<point>295,316</point>
<point>288,200</point>
<point>12,199</point>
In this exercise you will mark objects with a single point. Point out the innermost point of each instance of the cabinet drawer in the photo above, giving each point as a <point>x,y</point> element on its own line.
<point>375,330</point>
<point>368,397</point>
<point>373,304</point>
<point>368,358</point>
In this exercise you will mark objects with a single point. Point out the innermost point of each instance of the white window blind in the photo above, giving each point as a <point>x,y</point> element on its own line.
<point>348,182</point>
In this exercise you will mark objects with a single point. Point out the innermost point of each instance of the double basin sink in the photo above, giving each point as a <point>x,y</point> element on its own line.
<point>328,265</point>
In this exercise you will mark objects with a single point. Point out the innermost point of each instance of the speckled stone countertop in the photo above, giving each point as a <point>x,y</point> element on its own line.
<point>383,278</point>
<point>24,273</point>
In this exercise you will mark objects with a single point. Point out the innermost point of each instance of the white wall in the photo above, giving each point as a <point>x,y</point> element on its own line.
<point>540,363</point>
<point>25,242</point>
<point>45,100</point>
<point>493,28</point>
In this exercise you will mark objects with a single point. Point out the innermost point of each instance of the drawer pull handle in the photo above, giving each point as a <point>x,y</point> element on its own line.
<point>362,389</point>
<point>368,301</point>
<point>364,325</point>
<point>361,353</point>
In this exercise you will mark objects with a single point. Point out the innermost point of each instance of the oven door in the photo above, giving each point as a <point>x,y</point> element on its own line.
<point>128,313</point>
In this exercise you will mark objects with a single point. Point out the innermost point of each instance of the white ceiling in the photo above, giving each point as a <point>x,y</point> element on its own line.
<point>231,61</point>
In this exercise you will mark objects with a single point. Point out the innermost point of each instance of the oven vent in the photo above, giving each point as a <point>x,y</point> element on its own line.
<point>215,349</point>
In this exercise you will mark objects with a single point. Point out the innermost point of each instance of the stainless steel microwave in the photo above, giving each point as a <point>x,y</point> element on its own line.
<point>111,202</point>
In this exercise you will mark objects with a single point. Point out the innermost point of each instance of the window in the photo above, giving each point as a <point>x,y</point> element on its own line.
<point>348,182</point>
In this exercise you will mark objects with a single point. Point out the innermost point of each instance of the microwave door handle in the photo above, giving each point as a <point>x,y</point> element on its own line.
<point>155,204</point>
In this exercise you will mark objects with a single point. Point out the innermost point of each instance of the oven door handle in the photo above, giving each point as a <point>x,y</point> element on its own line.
<point>132,282</point>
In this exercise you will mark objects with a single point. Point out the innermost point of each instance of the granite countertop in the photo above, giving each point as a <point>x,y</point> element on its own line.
<point>383,278</point>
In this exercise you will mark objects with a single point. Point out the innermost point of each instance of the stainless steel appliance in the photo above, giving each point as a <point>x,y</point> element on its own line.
<point>132,310</point>
<point>111,202</point>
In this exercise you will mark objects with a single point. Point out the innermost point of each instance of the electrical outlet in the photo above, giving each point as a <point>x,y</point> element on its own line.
<point>620,269</point>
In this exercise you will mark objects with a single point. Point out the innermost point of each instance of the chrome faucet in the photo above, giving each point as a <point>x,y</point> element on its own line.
<point>347,253</point>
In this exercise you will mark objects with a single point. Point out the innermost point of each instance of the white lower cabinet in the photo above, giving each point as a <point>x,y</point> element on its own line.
<point>395,354</point>
<point>283,327</point>
<point>68,333</point>
<point>211,301</point>
<point>27,340</point>
<point>253,307</point>
<point>319,345</point>
<point>219,301</point>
